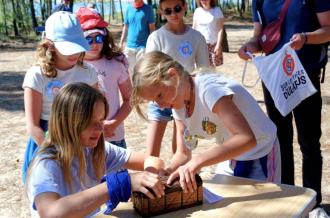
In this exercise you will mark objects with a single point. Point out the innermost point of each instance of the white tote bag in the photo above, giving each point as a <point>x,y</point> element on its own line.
<point>285,78</point>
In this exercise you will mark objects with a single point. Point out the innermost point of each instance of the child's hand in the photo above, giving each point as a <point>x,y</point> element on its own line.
<point>154,164</point>
<point>146,181</point>
<point>109,127</point>
<point>187,174</point>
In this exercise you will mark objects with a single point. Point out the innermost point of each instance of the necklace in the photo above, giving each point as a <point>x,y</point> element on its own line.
<point>191,102</point>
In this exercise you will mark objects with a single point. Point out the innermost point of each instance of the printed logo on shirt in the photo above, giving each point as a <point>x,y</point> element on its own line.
<point>209,127</point>
<point>288,64</point>
<point>53,87</point>
<point>185,49</point>
<point>101,73</point>
<point>191,141</point>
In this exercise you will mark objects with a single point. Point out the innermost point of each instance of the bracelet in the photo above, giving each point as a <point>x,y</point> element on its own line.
<point>119,189</point>
<point>305,37</point>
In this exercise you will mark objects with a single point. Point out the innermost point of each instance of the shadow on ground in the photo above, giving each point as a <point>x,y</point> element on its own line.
<point>11,92</point>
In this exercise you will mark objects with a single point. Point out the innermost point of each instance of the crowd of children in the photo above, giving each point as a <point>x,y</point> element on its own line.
<point>84,86</point>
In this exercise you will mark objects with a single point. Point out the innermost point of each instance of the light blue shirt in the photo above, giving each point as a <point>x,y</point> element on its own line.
<point>47,175</point>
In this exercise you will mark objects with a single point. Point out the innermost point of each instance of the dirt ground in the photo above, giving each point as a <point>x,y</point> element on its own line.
<point>16,58</point>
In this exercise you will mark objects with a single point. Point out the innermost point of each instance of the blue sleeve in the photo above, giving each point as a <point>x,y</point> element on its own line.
<point>151,17</point>
<point>322,6</point>
<point>116,157</point>
<point>255,16</point>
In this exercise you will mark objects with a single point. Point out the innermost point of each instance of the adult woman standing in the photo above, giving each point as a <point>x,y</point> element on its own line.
<point>208,19</point>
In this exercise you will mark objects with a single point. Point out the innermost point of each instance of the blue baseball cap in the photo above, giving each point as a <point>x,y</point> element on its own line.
<point>64,30</point>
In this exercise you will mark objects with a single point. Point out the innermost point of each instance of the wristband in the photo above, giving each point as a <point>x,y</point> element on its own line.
<point>119,189</point>
<point>305,37</point>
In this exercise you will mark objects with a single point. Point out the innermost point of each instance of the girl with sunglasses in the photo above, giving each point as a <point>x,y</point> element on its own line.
<point>185,45</point>
<point>208,19</point>
<point>60,61</point>
<point>112,70</point>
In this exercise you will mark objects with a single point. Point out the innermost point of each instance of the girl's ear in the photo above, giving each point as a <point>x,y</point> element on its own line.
<point>172,72</point>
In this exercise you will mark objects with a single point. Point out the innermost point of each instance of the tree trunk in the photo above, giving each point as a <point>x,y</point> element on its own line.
<point>4,15</point>
<point>33,15</point>
<point>102,8</point>
<point>14,18</point>
<point>121,12</point>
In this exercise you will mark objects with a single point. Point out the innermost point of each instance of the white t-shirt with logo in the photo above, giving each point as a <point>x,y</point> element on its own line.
<point>206,22</point>
<point>49,87</point>
<point>188,49</point>
<point>204,124</point>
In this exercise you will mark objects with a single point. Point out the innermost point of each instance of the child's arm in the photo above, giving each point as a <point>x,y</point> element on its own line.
<point>218,48</point>
<point>51,204</point>
<point>242,140</point>
<point>141,161</point>
<point>33,105</point>
<point>125,89</point>
<point>182,154</point>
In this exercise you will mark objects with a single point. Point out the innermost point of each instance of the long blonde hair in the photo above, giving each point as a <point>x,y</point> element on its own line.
<point>152,70</point>
<point>46,58</point>
<point>71,113</point>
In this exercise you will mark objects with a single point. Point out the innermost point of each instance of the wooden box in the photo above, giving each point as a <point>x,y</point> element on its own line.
<point>174,199</point>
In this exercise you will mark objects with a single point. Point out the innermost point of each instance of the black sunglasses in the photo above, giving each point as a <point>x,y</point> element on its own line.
<point>176,9</point>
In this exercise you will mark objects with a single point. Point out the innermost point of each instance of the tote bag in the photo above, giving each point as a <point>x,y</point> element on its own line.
<point>285,78</point>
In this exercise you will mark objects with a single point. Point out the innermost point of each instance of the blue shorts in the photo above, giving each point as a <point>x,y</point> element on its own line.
<point>156,113</point>
<point>31,149</point>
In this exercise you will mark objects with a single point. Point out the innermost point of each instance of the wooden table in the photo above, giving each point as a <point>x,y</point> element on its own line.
<point>242,198</point>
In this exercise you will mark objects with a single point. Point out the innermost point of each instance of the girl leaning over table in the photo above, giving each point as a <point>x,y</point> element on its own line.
<point>209,106</point>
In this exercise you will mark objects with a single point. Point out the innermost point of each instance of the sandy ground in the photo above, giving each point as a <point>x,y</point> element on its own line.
<point>16,58</point>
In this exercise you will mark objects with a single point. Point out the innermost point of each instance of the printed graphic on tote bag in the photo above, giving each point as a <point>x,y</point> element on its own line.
<point>285,78</point>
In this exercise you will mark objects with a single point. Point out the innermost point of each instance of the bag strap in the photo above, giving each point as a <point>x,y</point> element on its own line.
<point>284,10</point>
<point>244,72</point>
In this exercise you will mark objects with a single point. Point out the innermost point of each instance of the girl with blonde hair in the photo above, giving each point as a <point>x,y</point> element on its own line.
<point>209,106</point>
<point>65,174</point>
<point>60,61</point>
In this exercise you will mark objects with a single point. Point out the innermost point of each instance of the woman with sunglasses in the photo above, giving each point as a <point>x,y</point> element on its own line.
<point>208,20</point>
<point>183,44</point>
<point>112,70</point>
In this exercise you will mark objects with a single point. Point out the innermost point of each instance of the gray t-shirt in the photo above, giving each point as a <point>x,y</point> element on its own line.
<point>189,49</point>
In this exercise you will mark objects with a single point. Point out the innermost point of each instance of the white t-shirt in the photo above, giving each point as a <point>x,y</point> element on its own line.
<point>188,49</point>
<point>111,73</point>
<point>206,22</point>
<point>205,124</point>
<point>49,87</point>
<point>47,175</point>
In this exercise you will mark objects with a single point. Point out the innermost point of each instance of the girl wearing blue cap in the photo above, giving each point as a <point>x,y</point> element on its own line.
<point>60,61</point>
<point>64,178</point>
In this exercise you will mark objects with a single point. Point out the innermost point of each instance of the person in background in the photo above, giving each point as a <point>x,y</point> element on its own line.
<point>65,5</point>
<point>110,64</point>
<point>185,45</point>
<point>65,175</point>
<point>208,19</point>
<point>307,26</point>
<point>139,22</point>
<point>60,61</point>
<point>209,106</point>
